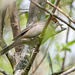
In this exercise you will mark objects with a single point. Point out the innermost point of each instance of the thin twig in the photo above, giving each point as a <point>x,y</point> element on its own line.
<point>68,71</point>
<point>63,63</point>
<point>54,9</point>
<point>61,11</point>
<point>50,62</point>
<point>53,15</point>
<point>5,73</point>
<point>14,21</point>
<point>67,36</point>
<point>64,22</point>
<point>3,18</point>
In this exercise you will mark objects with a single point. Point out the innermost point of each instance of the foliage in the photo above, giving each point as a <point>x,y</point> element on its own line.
<point>62,47</point>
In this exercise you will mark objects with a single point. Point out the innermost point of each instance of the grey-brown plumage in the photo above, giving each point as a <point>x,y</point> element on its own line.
<point>27,36</point>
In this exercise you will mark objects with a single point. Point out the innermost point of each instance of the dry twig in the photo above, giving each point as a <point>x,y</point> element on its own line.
<point>61,11</point>
<point>68,71</point>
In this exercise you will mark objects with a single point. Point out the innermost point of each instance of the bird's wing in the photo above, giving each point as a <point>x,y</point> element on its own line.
<point>24,31</point>
<point>27,29</point>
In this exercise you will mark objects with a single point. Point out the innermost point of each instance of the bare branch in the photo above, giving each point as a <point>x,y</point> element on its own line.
<point>50,62</point>
<point>61,11</point>
<point>14,21</point>
<point>67,36</point>
<point>57,2</point>
<point>68,71</point>
<point>64,22</point>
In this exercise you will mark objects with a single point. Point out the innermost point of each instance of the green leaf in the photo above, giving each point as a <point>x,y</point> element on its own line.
<point>68,49</point>
<point>23,20</point>
<point>46,15</point>
<point>57,57</point>
<point>18,2</point>
<point>71,42</point>
<point>52,1</point>
<point>49,32</point>
<point>64,46</point>
<point>58,47</point>
<point>62,59</point>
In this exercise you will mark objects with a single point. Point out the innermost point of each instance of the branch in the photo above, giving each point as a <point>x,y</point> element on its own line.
<point>26,70</point>
<point>64,22</point>
<point>68,71</point>
<point>67,36</point>
<point>2,42</point>
<point>50,62</point>
<point>14,21</point>
<point>5,73</point>
<point>53,15</point>
<point>3,18</point>
<point>57,2</point>
<point>61,11</point>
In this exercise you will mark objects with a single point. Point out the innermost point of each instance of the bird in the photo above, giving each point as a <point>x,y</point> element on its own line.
<point>29,36</point>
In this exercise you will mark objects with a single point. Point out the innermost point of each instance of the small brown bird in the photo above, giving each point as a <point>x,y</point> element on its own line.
<point>28,36</point>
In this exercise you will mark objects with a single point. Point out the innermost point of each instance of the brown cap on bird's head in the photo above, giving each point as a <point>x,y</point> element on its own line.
<point>54,19</point>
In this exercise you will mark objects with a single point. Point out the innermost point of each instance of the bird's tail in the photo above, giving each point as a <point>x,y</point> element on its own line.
<point>6,49</point>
